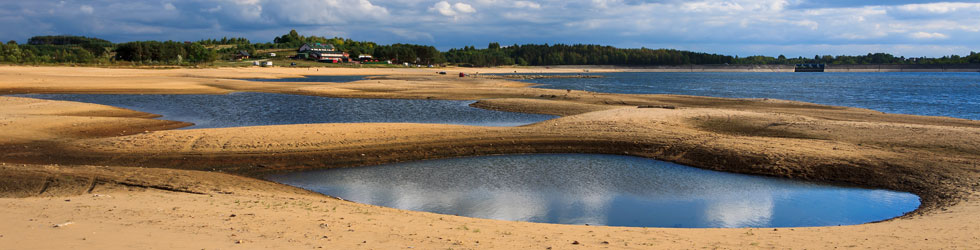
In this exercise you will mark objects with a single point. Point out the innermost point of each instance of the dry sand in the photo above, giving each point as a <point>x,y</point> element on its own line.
<point>48,145</point>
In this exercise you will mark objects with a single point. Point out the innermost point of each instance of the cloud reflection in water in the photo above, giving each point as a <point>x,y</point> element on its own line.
<point>601,190</point>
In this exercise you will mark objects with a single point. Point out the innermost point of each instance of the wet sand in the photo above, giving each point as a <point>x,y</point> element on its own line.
<point>154,187</point>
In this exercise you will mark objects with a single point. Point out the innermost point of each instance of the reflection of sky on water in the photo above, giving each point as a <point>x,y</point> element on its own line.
<point>740,210</point>
<point>601,190</point>
<point>258,109</point>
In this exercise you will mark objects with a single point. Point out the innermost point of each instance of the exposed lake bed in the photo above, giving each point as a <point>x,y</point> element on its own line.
<point>259,109</point>
<point>926,155</point>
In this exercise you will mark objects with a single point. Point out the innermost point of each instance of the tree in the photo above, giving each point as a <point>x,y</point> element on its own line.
<point>291,39</point>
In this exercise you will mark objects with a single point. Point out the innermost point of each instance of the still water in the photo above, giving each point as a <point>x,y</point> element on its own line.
<point>338,79</point>
<point>257,109</point>
<point>933,94</point>
<point>602,190</point>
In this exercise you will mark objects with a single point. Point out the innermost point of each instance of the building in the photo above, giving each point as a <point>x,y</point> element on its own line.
<point>322,53</point>
<point>331,56</point>
<point>242,55</point>
<point>315,47</point>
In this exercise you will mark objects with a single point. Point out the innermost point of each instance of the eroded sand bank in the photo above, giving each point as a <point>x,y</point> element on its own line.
<point>126,206</point>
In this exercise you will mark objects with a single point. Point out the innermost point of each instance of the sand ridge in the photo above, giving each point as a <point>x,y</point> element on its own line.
<point>934,157</point>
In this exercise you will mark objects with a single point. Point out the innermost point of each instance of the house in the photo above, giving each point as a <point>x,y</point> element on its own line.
<point>331,56</point>
<point>364,57</point>
<point>315,47</point>
<point>242,55</point>
<point>272,54</point>
<point>322,52</point>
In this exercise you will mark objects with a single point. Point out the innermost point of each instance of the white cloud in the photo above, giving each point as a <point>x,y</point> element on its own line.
<point>928,35</point>
<point>809,24</point>
<point>87,9</point>
<point>600,4</point>
<point>711,6</point>
<point>526,5</point>
<point>452,10</point>
<point>169,6</point>
<point>939,8</point>
<point>443,8</point>
<point>464,8</point>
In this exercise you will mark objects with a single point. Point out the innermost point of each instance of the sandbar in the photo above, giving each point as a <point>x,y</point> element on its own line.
<point>120,179</point>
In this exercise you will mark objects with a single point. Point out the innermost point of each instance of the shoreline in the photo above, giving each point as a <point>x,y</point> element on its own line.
<point>933,157</point>
<point>707,68</point>
<point>830,68</point>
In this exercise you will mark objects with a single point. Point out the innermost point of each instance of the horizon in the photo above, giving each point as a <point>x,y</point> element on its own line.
<point>794,28</point>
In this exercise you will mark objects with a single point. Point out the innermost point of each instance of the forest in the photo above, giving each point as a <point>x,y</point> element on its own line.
<point>87,50</point>
<point>583,54</point>
<point>579,54</point>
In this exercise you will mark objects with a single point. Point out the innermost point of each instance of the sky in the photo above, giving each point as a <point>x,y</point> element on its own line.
<point>910,28</point>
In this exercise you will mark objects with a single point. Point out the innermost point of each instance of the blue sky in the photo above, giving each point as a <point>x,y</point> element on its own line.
<point>735,27</point>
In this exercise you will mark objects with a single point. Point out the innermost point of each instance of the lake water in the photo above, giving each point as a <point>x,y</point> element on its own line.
<point>933,94</point>
<point>338,79</point>
<point>602,190</point>
<point>257,109</point>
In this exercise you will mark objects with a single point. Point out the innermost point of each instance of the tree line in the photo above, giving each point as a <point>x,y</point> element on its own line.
<point>578,54</point>
<point>585,54</point>
<point>88,50</point>
<point>169,52</point>
<point>870,58</point>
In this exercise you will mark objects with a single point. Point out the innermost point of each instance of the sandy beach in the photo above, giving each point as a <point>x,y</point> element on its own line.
<point>95,176</point>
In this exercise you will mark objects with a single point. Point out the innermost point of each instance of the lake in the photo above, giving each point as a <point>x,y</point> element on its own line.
<point>933,94</point>
<point>602,190</point>
<point>315,78</point>
<point>257,109</point>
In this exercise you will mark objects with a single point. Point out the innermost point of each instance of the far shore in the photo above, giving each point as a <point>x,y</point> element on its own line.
<point>95,176</point>
<point>829,68</point>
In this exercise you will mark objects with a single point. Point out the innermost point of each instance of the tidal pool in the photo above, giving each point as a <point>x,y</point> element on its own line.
<point>256,109</point>
<point>602,190</point>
